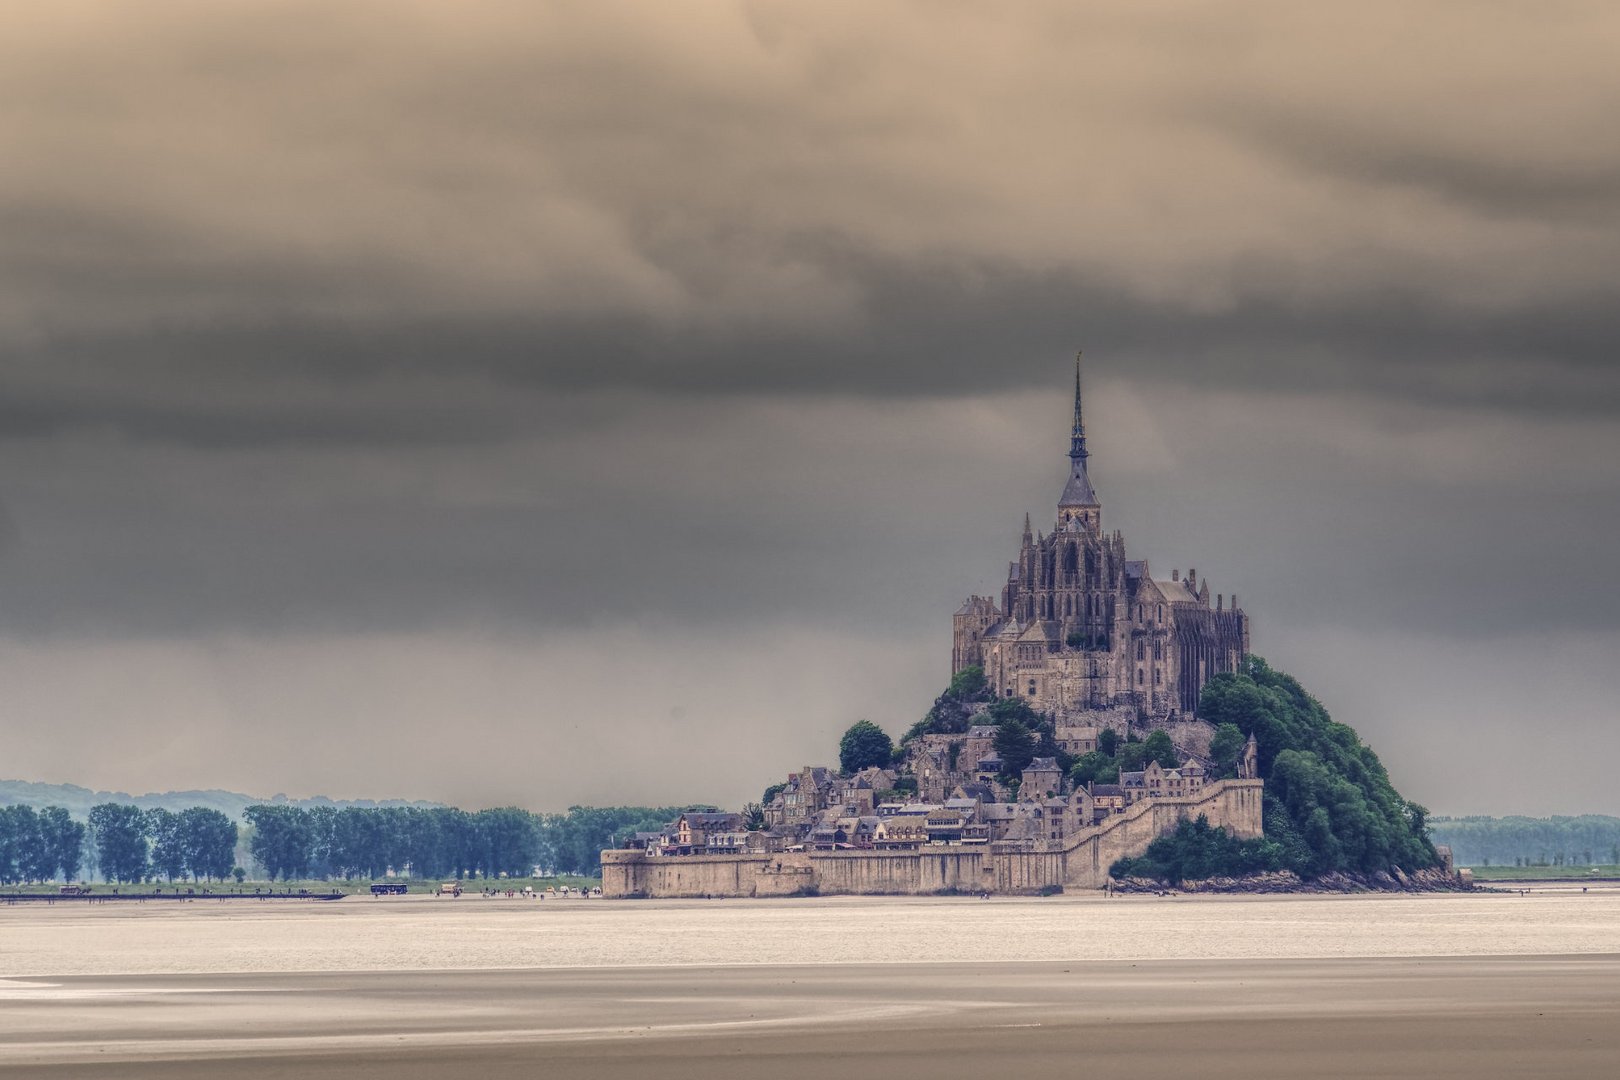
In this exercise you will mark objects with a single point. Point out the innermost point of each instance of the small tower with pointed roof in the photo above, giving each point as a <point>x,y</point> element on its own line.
<point>1078,509</point>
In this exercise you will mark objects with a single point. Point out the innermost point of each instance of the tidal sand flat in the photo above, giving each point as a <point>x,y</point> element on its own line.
<point>1081,986</point>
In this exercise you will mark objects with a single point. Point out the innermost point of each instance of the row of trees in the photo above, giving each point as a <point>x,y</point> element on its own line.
<point>39,845</point>
<point>126,843</point>
<point>439,842</point>
<point>132,844</point>
<point>1526,841</point>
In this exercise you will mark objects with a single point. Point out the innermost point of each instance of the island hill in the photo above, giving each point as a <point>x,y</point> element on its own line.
<point>1101,724</point>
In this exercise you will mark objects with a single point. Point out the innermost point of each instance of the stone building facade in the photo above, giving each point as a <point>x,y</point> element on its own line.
<point>1081,630</point>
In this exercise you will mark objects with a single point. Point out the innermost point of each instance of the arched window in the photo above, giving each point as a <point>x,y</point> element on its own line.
<point>1140,678</point>
<point>1139,648</point>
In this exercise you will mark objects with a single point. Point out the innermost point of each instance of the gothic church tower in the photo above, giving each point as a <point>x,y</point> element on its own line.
<point>1080,629</point>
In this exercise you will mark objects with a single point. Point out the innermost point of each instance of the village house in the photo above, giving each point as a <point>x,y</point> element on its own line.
<point>694,829</point>
<point>1041,779</point>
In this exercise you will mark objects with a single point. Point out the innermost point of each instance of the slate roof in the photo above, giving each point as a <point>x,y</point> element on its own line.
<point>1078,490</point>
<point>1176,592</point>
<point>1023,828</point>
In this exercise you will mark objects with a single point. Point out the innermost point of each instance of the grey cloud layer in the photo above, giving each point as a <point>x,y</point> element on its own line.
<point>398,322</point>
<point>858,198</point>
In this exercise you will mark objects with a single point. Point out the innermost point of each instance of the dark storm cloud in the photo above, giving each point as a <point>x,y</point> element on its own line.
<point>354,356</point>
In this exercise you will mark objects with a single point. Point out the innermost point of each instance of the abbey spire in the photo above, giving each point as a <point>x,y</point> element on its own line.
<point>1078,494</point>
<point>1077,440</point>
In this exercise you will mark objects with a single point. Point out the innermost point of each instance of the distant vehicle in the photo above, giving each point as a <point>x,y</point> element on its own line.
<point>388,888</point>
<point>84,890</point>
<point>450,888</point>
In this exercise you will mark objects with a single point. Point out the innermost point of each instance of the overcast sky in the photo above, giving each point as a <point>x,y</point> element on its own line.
<point>610,403</point>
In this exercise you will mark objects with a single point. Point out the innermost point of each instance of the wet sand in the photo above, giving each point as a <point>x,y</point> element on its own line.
<point>1481,1016</point>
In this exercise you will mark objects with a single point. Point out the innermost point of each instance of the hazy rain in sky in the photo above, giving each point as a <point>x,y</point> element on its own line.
<point>609,403</point>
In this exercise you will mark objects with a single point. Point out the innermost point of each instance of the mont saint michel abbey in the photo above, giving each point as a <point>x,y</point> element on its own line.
<point>1082,630</point>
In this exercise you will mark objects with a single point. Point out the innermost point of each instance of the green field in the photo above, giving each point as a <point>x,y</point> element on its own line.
<point>1545,873</point>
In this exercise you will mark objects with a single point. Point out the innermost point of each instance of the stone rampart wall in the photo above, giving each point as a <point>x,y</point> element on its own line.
<point>1077,862</point>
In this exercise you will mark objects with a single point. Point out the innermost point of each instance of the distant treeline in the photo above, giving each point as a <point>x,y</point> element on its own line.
<point>323,842</point>
<point>39,845</point>
<point>78,801</point>
<point>1524,841</point>
<point>125,844</point>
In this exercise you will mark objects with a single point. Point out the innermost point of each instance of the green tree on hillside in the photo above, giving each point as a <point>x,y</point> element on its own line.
<point>1157,747</point>
<point>1095,767</point>
<point>1226,750</point>
<point>1197,850</point>
<point>1328,803</point>
<point>1015,745</point>
<point>863,746</point>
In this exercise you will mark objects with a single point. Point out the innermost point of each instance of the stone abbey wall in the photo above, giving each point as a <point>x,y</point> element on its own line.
<point>1080,861</point>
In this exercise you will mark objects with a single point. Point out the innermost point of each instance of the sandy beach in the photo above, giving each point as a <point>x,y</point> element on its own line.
<point>1270,1014</point>
<point>1521,1016</point>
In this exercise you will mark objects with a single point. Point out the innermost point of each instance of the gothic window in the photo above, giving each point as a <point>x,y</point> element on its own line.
<point>1158,650</point>
<point>1139,648</point>
<point>1140,678</point>
<point>1160,616</point>
<point>1158,676</point>
<point>1071,558</point>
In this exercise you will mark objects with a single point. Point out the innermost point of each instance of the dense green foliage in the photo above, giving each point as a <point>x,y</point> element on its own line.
<point>953,710</point>
<point>573,842</point>
<point>1523,841</point>
<point>1015,746</point>
<point>1157,747</point>
<point>1112,757</point>
<point>1329,803</point>
<point>441,842</point>
<point>38,845</point>
<point>864,746</point>
<point>1225,751</point>
<point>969,701</point>
<point>120,841</point>
<point>323,841</point>
<point>1197,850</point>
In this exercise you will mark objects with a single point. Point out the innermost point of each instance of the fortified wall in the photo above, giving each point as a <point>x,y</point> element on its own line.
<point>1080,861</point>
